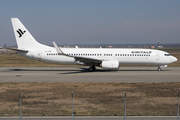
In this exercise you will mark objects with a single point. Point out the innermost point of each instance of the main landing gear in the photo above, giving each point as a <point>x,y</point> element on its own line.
<point>92,68</point>
<point>159,68</point>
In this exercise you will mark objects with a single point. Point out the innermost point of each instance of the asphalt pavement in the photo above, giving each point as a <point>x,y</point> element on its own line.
<point>81,74</point>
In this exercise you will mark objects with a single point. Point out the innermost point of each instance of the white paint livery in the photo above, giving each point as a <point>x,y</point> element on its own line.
<point>107,58</point>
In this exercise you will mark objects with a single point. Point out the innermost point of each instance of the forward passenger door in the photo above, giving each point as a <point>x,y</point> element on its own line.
<point>157,56</point>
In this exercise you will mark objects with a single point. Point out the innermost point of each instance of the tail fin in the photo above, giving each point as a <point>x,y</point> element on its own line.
<point>23,38</point>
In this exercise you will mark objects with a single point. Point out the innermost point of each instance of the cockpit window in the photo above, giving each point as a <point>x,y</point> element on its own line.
<point>167,54</point>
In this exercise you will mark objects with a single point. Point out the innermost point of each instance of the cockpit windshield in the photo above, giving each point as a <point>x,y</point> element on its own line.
<point>167,54</point>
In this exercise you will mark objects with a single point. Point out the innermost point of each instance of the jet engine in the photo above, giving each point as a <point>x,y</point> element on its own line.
<point>112,65</point>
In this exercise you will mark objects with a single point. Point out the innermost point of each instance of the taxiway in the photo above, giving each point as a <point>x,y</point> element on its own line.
<point>81,74</point>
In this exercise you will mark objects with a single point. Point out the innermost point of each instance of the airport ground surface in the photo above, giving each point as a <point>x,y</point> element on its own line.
<point>81,74</point>
<point>144,100</point>
<point>95,118</point>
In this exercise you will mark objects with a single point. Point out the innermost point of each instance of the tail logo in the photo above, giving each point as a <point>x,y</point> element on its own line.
<point>20,32</point>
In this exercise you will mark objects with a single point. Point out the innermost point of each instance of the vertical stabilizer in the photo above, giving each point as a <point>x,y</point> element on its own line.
<point>23,38</point>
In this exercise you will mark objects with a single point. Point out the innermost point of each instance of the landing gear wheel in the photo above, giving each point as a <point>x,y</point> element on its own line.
<point>159,69</point>
<point>92,68</point>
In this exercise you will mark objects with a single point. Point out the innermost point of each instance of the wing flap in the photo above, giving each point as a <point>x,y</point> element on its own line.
<point>87,59</point>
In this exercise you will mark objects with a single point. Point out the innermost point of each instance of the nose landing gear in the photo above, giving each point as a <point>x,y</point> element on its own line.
<point>161,66</point>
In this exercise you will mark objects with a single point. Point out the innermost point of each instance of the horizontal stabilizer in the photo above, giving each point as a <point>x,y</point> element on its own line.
<point>16,49</point>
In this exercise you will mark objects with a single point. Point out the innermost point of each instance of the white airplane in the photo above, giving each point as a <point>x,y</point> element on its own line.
<point>106,58</point>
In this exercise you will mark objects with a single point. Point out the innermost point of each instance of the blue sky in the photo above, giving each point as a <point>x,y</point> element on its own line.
<point>93,21</point>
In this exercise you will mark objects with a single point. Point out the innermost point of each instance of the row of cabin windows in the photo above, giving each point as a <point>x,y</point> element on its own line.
<point>78,54</point>
<point>83,54</point>
<point>100,54</point>
<point>52,54</point>
<point>132,54</point>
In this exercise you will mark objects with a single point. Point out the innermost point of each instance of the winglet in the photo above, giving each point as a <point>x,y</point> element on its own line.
<point>58,50</point>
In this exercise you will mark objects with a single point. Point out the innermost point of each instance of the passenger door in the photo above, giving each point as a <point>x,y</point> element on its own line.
<point>157,56</point>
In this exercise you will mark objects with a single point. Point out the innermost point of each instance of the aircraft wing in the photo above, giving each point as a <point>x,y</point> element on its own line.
<point>85,60</point>
<point>16,49</point>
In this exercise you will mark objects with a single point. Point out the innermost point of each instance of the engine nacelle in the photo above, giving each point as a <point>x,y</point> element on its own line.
<point>110,65</point>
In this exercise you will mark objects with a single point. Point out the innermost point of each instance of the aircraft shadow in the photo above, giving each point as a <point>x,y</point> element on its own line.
<point>69,71</point>
<point>100,70</point>
<point>78,70</point>
<point>85,70</point>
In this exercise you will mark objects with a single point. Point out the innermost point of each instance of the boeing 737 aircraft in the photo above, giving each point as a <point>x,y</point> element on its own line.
<point>106,58</point>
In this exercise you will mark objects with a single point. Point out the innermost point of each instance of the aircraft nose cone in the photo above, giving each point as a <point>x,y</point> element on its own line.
<point>174,59</point>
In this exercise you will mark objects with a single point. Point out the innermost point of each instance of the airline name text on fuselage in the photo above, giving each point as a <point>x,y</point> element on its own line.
<point>147,52</point>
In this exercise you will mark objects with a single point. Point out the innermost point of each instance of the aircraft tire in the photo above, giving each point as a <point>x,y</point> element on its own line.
<point>91,69</point>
